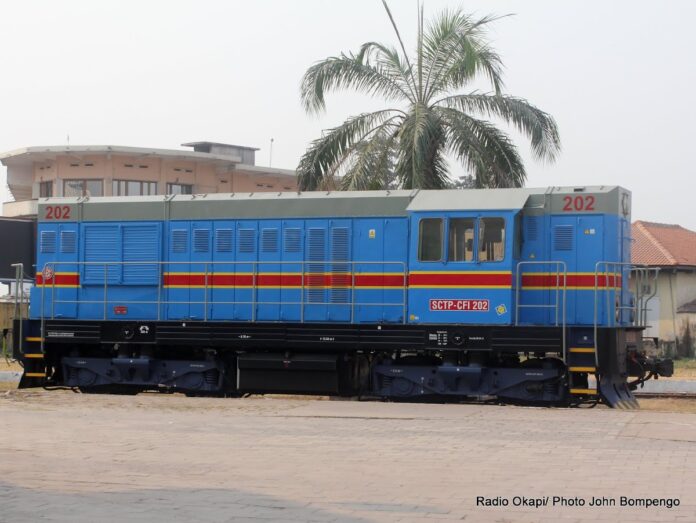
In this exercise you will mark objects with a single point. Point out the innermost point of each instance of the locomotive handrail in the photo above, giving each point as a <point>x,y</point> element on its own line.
<point>561,269</point>
<point>642,275</point>
<point>19,303</point>
<point>614,310</point>
<point>50,268</point>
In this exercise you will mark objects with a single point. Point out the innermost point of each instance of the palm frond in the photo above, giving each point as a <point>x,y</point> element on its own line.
<point>456,51</point>
<point>344,72</point>
<point>421,145</point>
<point>538,126</point>
<point>327,154</point>
<point>373,165</point>
<point>410,147</point>
<point>389,62</point>
<point>485,150</point>
<point>398,37</point>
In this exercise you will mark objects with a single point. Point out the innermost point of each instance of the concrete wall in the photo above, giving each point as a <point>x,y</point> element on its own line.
<point>206,177</point>
<point>674,289</point>
<point>686,327</point>
<point>6,317</point>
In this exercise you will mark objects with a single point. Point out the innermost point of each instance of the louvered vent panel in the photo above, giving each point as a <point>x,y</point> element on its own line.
<point>293,240</point>
<point>48,241</point>
<point>140,244</point>
<point>563,238</point>
<point>102,244</point>
<point>340,272</point>
<point>315,276</point>
<point>201,240</point>
<point>246,240</point>
<point>223,240</point>
<point>68,242</point>
<point>179,240</point>
<point>269,240</point>
<point>532,228</point>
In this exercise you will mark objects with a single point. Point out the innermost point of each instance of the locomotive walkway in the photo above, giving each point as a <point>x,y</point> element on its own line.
<point>72,457</point>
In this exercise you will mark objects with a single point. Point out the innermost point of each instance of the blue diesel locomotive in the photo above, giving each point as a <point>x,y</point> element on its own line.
<point>519,294</point>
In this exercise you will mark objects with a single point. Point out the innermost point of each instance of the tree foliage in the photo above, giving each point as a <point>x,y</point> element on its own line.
<point>430,120</point>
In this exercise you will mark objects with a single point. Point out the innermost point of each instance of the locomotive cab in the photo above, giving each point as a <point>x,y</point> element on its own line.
<point>460,267</point>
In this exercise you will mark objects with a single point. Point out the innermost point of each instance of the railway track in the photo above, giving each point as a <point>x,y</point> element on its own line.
<point>665,395</point>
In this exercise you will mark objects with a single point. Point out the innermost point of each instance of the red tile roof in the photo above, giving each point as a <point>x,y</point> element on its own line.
<point>662,244</point>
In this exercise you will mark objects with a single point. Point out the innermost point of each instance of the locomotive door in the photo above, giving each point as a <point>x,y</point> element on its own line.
<point>201,271</point>
<point>590,247</point>
<point>68,253</point>
<point>340,293</point>
<point>577,241</point>
<point>291,269</point>
<point>268,273</point>
<point>314,287</point>
<point>176,273</point>
<point>222,292</point>
<point>245,270</point>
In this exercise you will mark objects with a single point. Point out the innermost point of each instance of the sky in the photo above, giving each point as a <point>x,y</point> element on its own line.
<point>617,76</point>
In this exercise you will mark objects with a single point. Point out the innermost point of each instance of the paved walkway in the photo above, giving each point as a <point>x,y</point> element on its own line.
<point>10,375</point>
<point>670,385</point>
<point>73,457</point>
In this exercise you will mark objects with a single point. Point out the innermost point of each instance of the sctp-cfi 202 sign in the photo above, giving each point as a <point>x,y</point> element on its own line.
<point>459,305</point>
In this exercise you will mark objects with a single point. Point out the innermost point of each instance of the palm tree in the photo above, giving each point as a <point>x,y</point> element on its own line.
<point>407,146</point>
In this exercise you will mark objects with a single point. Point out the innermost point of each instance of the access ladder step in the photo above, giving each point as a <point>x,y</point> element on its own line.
<point>582,350</point>
<point>585,392</point>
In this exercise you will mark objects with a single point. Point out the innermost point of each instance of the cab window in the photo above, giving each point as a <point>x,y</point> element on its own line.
<point>491,239</point>
<point>430,239</point>
<point>461,240</point>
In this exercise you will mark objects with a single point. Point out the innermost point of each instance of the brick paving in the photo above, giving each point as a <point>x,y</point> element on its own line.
<point>72,457</point>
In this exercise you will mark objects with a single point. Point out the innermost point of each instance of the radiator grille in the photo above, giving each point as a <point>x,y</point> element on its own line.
<point>179,240</point>
<point>48,242</point>
<point>563,238</point>
<point>223,240</point>
<point>292,240</point>
<point>247,240</point>
<point>269,240</point>
<point>316,253</point>
<point>201,240</point>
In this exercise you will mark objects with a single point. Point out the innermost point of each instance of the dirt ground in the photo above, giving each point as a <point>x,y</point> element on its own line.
<point>685,405</point>
<point>6,364</point>
<point>166,457</point>
<point>685,368</point>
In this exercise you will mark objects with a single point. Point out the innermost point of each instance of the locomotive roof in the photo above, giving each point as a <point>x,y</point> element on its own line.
<point>320,204</point>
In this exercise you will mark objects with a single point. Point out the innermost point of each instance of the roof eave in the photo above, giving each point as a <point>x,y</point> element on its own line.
<point>8,157</point>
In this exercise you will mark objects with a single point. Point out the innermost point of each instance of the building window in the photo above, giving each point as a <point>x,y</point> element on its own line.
<point>45,189</point>
<point>83,188</point>
<point>133,188</point>
<point>179,188</point>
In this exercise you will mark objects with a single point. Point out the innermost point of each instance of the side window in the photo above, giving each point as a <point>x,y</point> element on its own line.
<point>430,239</point>
<point>461,240</point>
<point>491,239</point>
